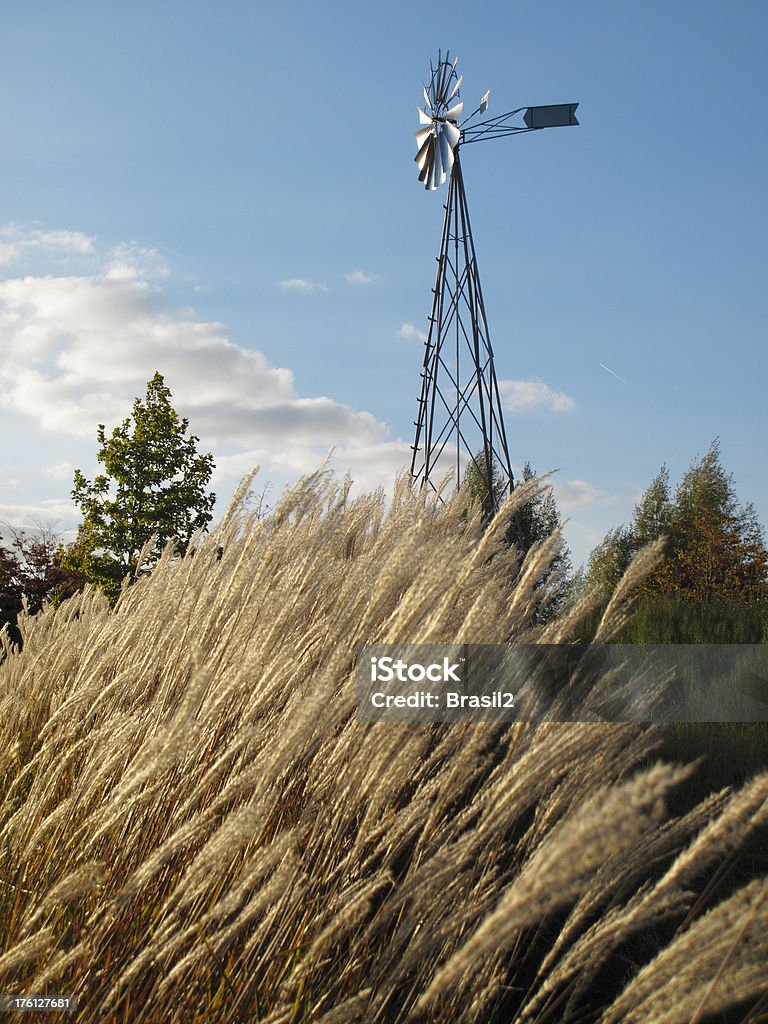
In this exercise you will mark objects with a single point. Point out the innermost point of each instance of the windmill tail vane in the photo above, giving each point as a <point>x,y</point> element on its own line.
<point>460,424</point>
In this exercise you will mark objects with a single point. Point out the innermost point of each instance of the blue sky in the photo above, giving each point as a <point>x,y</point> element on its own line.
<point>226,192</point>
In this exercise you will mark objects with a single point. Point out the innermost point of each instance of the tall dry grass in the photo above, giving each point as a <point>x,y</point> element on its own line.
<point>194,827</point>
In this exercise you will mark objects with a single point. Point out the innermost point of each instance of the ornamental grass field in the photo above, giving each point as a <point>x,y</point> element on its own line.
<point>194,826</point>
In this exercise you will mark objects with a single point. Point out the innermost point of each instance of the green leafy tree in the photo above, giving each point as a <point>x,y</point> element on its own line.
<point>538,518</point>
<point>154,486</point>
<point>654,512</point>
<point>609,560</point>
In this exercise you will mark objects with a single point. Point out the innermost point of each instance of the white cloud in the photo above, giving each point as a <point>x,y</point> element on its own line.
<point>76,349</point>
<point>411,331</point>
<point>301,284</point>
<point>520,395</point>
<point>361,277</point>
<point>18,242</point>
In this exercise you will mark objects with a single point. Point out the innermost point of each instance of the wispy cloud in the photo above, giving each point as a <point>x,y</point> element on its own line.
<point>18,242</point>
<point>129,261</point>
<point>302,284</point>
<point>411,331</point>
<point>361,277</point>
<point>521,395</point>
<point>579,494</point>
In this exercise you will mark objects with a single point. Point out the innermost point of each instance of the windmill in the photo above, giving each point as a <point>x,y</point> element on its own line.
<point>460,417</point>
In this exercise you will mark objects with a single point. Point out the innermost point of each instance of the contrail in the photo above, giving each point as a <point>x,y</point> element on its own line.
<point>614,374</point>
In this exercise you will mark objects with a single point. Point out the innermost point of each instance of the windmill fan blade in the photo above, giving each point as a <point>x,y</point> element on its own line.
<point>424,117</point>
<point>427,161</point>
<point>455,112</point>
<point>445,70</point>
<point>429,177</point>
<point>439,175</point>
<point>427,100</point>
<point>447,75</point>
<point>423,154</point>
<point>451,160</point>
<point>430,182</point>
<point>446,153</point>
<point>484,102</point>
<point>452,133</point>
<point>456,87</point>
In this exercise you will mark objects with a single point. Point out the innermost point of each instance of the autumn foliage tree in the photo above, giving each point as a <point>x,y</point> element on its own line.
<point>718,545</point>
<point>154,489</point>
<point>715,549</point>
<point>32,573</point>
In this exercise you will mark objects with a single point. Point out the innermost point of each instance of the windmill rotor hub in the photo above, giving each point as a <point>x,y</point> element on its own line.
<point>438,137</point>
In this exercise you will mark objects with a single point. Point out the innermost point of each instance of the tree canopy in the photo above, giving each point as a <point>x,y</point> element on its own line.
<point>154,486</point>
<point>715,556</point>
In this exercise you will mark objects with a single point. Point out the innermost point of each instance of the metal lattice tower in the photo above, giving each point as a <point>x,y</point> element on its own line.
<point>460,417</point>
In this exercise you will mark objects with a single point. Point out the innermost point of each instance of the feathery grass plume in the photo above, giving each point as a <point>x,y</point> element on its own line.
<point>702,969</point>
<point>576,958</point>
<point>194,826</point>
<point>80,882</point>
<point>563,863</point>
<point>58,964</point>
<point>27,951</point>
<point>647,908</point>
<point>349,1012</point>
